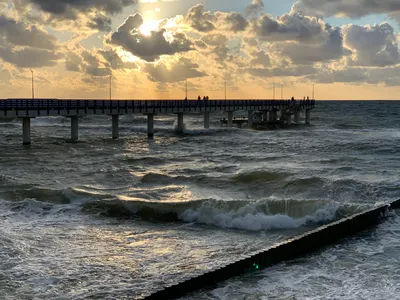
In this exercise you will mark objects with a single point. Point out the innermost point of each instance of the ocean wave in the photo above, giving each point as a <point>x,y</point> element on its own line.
<point>243,215</point>
<point>347,126</point>
<point>159,178</point>
<point>47,195</point>
<point>259,176</point>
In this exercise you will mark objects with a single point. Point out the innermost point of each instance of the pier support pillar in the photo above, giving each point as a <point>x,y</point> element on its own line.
<point>115,127</point>
<point>150,126</point>
<point>180,128</point>
<point>206,119</point>
<point>74,129</point>
<point>308,116</point>
<point>230,118</point>
<point>250,119</point>
<point>289,119</point>
<point>26,131</point>
<point>273,114</point>
<point>297,117</point>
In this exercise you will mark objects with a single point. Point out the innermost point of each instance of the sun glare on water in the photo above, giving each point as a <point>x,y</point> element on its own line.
<point>148,26</point>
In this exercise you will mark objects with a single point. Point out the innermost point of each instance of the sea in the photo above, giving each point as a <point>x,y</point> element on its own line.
<point>118,219</point>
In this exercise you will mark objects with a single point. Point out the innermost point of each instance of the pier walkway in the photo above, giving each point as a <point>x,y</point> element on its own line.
<point>26,109</point>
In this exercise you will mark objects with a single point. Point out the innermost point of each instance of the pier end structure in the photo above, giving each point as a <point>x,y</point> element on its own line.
<point>70,108</point>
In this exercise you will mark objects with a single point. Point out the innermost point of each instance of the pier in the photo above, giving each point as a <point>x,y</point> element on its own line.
<point>26,109</point>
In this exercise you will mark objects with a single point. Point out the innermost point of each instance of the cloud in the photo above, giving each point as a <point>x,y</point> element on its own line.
<point>26,46</point>
<point>148,48</point>
<point>233,21</point>
<point>290,27</point>
<point>291,71</point>
<point>29,57</point>
<point>94,14</point>
<point>373,45</point>
<point>303,54</point>
<point>200,20</point>
<point>255,8</point>
<point>73,62</point>
<point>173,71</point>
<point>260,58</point>
<point>21,34</point>
<point>89,63</point>
<point>347,8</point>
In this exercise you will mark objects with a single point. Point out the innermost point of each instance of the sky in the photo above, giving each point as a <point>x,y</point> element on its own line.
<point>150,49</point>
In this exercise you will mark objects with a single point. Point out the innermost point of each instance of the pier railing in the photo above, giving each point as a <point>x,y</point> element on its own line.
<point>144,105</point>
<point>26,109</point>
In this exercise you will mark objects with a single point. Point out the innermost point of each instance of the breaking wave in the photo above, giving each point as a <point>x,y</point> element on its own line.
<point>243,215</point>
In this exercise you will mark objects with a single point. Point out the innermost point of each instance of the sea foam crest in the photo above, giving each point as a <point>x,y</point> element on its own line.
<point>247,219</point>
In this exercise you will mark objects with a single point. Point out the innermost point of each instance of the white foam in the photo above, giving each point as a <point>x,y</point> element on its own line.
<point>247,218</point>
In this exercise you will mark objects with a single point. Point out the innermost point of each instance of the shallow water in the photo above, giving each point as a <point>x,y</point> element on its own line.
<point>114,219</point>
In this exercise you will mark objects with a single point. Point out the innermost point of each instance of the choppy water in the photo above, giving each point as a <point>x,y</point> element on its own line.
<point>104,219</point>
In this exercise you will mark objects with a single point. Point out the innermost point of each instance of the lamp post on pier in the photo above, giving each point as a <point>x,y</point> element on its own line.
<point>110,87</point>
<point>186,89</point>
<point>225,90</point>
<point>33,87</point>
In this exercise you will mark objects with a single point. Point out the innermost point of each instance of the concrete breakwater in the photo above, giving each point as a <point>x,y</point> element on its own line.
<point>287,250</point>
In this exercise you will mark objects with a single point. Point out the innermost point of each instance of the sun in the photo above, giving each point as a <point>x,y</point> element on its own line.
<point>148,26</point>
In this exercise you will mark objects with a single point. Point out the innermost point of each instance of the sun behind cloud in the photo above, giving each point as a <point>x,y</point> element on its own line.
<point>148,26</point>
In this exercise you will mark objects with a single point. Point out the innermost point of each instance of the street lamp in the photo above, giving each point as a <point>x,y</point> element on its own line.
<point>110,87</point>
<point>33,87</point>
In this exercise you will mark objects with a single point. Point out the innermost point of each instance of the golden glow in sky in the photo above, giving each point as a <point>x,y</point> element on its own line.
<point>148,26</point>
<point>151,47</point>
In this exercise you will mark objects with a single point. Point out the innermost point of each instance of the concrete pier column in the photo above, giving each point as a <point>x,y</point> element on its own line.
<point>273,114</point>
<point>26,131</point>
<point>308,116</point>
<point>297,117</point>
<point>150,126</point>
<point>289,119</point>
<point>74,129</point>
<point>206,119</point>
<point>115,127</point>
<point>265,115</point>
<point>250,119</point>
<point>181,125</point>
<point>230,118</point>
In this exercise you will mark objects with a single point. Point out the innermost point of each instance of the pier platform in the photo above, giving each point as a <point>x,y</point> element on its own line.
<point>26,109</point>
